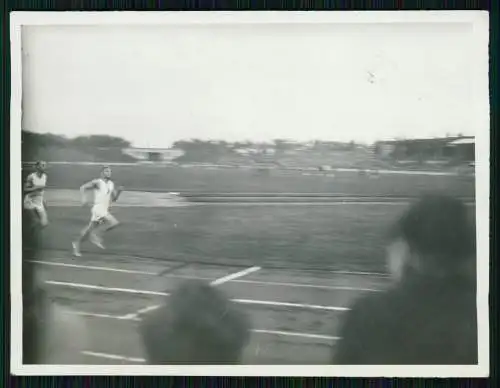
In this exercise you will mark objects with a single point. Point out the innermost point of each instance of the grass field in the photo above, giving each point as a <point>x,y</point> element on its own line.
<point>347,236</point>
<point>178,179</point>
<point>341,237</point>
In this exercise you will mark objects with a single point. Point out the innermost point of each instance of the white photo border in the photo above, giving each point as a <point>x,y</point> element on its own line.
<point>480,22</point>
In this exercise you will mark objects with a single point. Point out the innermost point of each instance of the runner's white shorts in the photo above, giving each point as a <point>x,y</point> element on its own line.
<point>31,204</point>
<point>37,206</point>
<point>99,213</point>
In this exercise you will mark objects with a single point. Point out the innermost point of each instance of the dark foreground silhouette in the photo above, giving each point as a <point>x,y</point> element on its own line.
<point>197,324</point>
<point>428,316</point>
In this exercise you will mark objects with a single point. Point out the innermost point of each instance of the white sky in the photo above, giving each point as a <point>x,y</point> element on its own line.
<point>156,84</point>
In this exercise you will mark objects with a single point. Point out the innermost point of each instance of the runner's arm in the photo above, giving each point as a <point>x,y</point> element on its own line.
<point>85,187</point>
<point>116,193</point>
<point>29,187</point>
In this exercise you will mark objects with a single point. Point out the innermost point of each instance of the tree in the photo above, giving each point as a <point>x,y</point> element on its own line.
<point>42,139</point>
<point>104,141</point>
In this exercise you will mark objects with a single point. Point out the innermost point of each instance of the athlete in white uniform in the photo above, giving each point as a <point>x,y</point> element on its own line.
<point>105,194</point>
<point>34,189</point>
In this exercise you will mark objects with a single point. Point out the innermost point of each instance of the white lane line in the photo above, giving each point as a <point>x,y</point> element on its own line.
<point>112,269</point>
<point>95,268</point>
<point>295,334</point>
<point>257,331</point>
<point>233,279</point>
<point>288,304</point>
<point>147,309</point>
<point>304,285</point>
<point>216,282</point>
<point>97,315</point>
<point>104,316</point>
<point>118,357</point>
<point>233,276</point>
<point>102,288</point>
<point>381,274</point>
<point>242,301</point>
<point>144,310</point>
<point>112,356</point>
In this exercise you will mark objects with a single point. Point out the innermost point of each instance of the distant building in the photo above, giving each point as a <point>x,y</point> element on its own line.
<point>463,149</point>
<point>333,146</point>
<point>247,151</point>
<point>255,151</point>
<point>154,154</point>
<point>447,148</point>
<point>385,150</point>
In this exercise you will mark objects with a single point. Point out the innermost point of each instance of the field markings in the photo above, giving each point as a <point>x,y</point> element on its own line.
<point>234,276</point>
<point>95,268</point>
<point>233,279</point>
<point>216,282</point>
<point>117,357</point>
<point>296,334</point>
<point>112,269</point>
<point>289,304</point>
<point>144,310</point>
<point>98,315</point>
<point>157,293</point>
<point>304,285</point>
<point>380,274</point>
<point>113,356</point>
<point>257,331</point>
<point>102,288</point>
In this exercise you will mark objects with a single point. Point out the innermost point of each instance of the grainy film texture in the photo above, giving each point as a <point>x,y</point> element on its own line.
<point>250,194</point>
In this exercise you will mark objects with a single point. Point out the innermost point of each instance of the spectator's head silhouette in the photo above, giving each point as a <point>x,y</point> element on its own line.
<point>429,316</point>
<point>434,237</point>
<point>196,325</point>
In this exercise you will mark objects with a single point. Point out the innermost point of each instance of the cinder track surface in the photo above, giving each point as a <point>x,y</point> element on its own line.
<point>295,315</point>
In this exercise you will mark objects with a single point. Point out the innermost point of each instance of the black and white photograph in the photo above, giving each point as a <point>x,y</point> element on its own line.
<point>250,193</point>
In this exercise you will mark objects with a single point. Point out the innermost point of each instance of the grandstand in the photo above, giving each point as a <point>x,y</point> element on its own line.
<point>436,153</point>
<point>447,148</point>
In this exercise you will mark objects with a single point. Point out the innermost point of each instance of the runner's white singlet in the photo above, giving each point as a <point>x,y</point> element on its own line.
<point>103,190</point>
<point>34,200</point>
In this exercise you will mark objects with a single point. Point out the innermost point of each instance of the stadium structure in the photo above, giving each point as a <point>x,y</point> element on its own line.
<point>154,154</point>
<point>458,149</point>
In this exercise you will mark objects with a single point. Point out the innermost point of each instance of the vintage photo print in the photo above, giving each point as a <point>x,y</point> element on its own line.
<point>250,193</point>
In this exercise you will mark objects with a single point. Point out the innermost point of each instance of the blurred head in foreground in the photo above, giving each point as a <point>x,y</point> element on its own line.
<point>197,325</point>
<point>435,238</point>
<point>429,315</point>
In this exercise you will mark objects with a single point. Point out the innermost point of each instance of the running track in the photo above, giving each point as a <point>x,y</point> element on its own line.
<point>295,315</point>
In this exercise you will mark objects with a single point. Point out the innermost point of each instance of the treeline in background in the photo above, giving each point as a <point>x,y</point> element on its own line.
<point>437,153</point>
